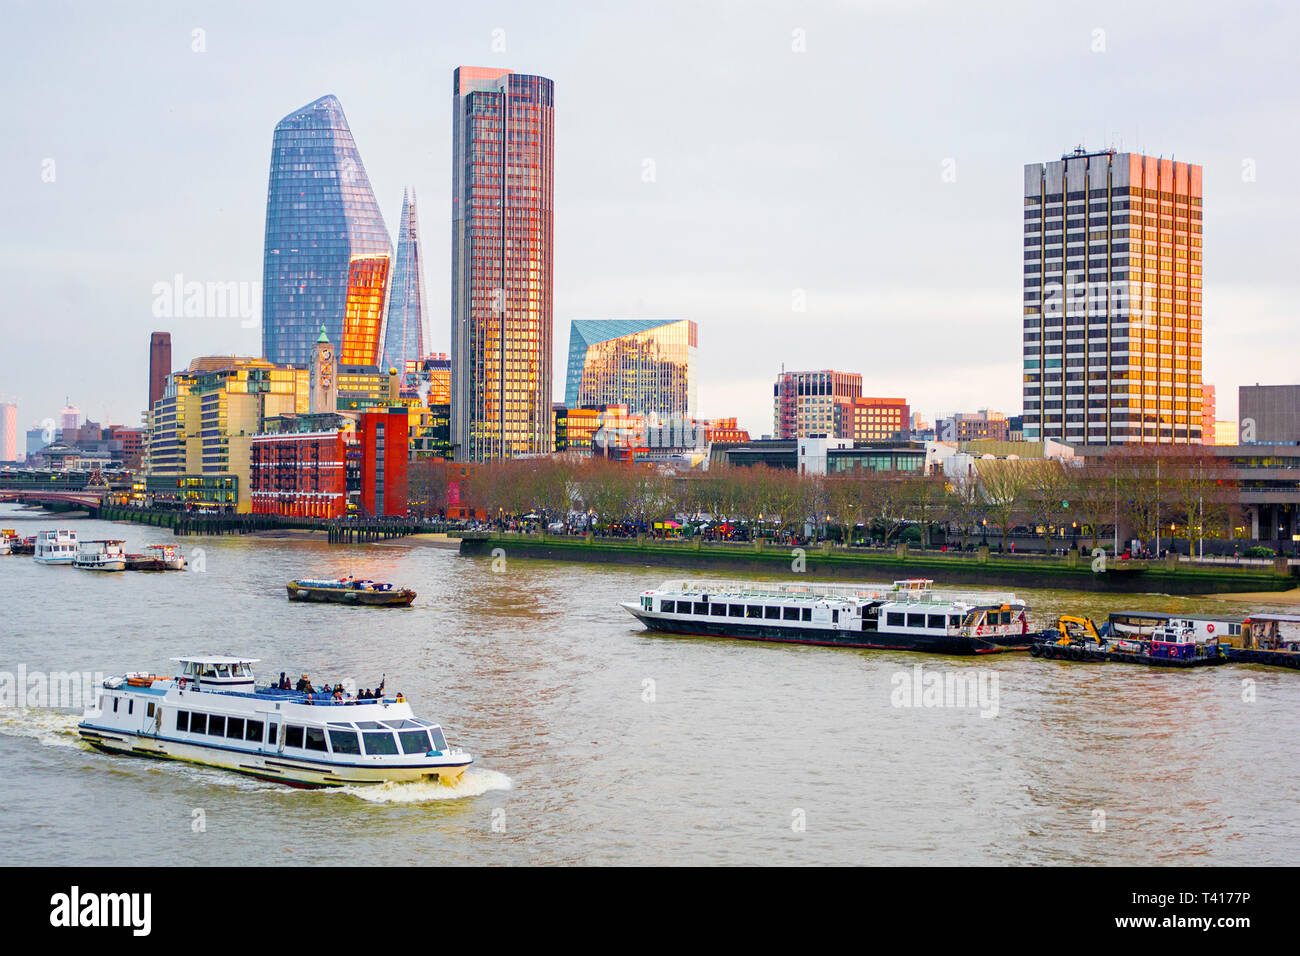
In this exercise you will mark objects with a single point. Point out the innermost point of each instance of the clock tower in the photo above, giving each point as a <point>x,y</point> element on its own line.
<point>324,377</point>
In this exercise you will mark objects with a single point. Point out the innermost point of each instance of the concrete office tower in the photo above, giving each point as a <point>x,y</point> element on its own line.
<point>503,139</point>
<point>1112,299</point>
<point>327,249</point>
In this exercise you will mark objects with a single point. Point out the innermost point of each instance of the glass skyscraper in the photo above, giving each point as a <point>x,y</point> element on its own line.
<point>321,215</point>
<point>503,138</point>
<point>646,364</point>
<point>404,338</point>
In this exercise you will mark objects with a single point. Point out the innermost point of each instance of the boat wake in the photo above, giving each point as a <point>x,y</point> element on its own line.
<point>53,728</point>
<point>474,782</point>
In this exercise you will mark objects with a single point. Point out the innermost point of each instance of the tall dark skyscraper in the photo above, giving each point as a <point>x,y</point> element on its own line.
<point>327,250</point>
<point>160,364</point>
<point>404,338</point>
<point>503,138</point>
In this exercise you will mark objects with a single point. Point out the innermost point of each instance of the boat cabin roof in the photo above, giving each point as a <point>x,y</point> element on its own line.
<point>1280,618</point>
<point>217,660</point>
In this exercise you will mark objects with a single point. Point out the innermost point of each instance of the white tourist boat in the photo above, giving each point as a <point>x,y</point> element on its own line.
<point>55,547</point>
<point>213,713</point>
<point>909,615</point>
<point>106,555</point>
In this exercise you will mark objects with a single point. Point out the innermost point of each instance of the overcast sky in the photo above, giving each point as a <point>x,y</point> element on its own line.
<point>714,161</point>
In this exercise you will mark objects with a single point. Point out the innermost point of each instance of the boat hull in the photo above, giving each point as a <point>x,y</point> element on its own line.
<point>349,596</point>
<point>1048,650</point>
<point>115,565</point>
<point>1241,655</point>
<point>277,767</point>
<point>822,637</point>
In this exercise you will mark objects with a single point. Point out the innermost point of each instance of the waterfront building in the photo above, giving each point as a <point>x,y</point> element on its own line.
<point>298,466</point>
<point>808,403</point>
<point>160,364</point>
<point>1269,414</point>
<point>432,438</point>
<point>327,250</point>
<point>8,431</point>
<point>501,295</point>
<point>404,331</point>
<point>724,430</point>
<point>575,428</point>
<point>201,431</point>
<point>649,365</point>
<point>382,440</point>
<point>1112,299</point>
<point>824,455</point>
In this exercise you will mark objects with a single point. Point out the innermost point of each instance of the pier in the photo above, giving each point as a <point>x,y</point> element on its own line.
<point>337,531</point>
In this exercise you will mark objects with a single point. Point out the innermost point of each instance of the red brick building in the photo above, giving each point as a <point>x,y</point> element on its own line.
<point>299,474</point>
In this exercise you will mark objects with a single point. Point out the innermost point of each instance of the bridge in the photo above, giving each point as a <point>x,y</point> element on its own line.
<point>92,501</point>
<point>80,489</point>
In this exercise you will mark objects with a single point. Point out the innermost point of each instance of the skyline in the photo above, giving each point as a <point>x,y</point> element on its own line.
<point>723,217</point>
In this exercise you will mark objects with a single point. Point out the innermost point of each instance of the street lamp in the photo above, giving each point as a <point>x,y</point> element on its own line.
<point>1074,536</point>
<point>984,543</point>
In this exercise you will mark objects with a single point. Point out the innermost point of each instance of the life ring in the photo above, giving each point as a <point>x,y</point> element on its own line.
<point>181,683</point>
<point>1210,628</point>
<point>979,629</point>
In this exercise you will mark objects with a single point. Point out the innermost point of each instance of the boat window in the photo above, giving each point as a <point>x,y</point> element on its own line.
<point>235,728</point>
<point>316,739</point>
<point>243,670</point>
<point>953,620</point>
<point>701,607</point>
<point>292,736</point>
<point>379,742</point>
<point>753,610</point>
<point>835,617</point>
<point>115,705</point>
<point>191,669</point>
<point>735,610</point>
<point>934,620</point>
<point>253,730</point>
<point>270,733</point>
<point>894,619</point>
<point>666,607</point>
<point>422,722</point>
<point>370,725</point>
<point>198,723</point>
<point>223,670</point>
<point>439,741</point>
<point>771,613</point>
<point>402,724</point>
<point>789,614</point>
<point>805,613</point>
<point>414,741</point>
<point>183,720</point>
<point>209,671</point>
<point>149,710</point>
<point>216,725</point>
<point>130,705</point>
<point>344,741</point>
<point>916,620</point>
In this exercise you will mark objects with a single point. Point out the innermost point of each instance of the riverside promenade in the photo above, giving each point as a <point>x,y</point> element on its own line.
<point>1074,570</point>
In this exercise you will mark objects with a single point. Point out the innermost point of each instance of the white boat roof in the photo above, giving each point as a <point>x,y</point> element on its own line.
<point>217,660</point>
<point>815,591</point>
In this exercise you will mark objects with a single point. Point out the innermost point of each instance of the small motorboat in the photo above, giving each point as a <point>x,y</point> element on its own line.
<point>350,591</point>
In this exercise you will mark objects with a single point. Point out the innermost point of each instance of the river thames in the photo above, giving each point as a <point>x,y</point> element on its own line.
<point>597,742</point>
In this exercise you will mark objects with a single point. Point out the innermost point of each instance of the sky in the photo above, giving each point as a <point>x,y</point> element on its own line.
<point>817,184</point>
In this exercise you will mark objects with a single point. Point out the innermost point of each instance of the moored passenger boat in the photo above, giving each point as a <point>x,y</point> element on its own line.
<point>55,547</point>
<point>106,555</point>
<point>213,713</point>
<point>349,591</point>
<point>906,615</point>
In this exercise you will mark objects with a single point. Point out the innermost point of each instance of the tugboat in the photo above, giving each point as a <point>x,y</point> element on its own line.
<point>106,555</point>
<point>213,713</point>
<point>1172,642</point>
<point>1272,639</point>
<point>350,591</point>
<point>55,547</point>
<point>907,615</point>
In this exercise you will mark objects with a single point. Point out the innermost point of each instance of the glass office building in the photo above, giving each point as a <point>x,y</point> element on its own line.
<point>404,335</point>
<point>321,215</point>
<point>646,364</point>
<point>503,138</point>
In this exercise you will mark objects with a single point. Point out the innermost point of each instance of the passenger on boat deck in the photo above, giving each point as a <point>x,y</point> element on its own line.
<point>338,693</point>
<point>284,682</point>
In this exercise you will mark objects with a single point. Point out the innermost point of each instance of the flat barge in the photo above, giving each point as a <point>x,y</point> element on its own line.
<point>347,591</point>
